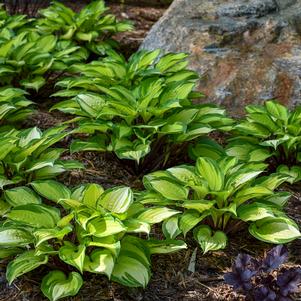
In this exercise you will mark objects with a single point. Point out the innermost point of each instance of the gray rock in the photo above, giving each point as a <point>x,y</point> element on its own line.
<point>246,51</point>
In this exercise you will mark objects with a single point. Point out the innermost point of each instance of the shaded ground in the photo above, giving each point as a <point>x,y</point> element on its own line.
<point>171,279</point>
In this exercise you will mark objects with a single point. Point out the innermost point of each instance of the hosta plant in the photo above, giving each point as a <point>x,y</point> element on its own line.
<point>265,278</point>
<point>28,155</point>
<point>270,131</point>
<point>10,25</point>
<point>92,27</point>
<point>14,106</point>
<point>94,232</point>
<point>217,196</point>
<point>138,107</point>
<point>28,59</point>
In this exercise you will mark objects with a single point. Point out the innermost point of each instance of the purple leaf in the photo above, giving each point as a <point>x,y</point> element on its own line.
<point>243,269</point>
<point>245,261</point>
<point>274,258</point>
<point>263,293</point>
<point>239,279</point>
<point>288,281</point>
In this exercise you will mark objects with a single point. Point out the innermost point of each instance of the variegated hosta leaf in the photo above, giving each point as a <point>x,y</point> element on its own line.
<point>73,255</point>
<point>42,235</point>
<point>293,173</point>
<point>165,246</point>
<point>167,188</point>
<point>109,242</point>
<point>91,194</point>
<point>171,228</point>
<point>209,240</point>
<point>51,190</point>
<point>278,230</point>
<point>55,285</point>
<point>210,171</point>
<point>21,196</point>
<point>100,261</point>
<point>137,226</point>
<point>14,237</point>
<point>189,220</point>
<point>116,200</point>
<point>156,215</point>
<point>105,226</point>
<point>132,267</point>
<point>8,252</point>
<point>24,263</point>
<point>35,215</point>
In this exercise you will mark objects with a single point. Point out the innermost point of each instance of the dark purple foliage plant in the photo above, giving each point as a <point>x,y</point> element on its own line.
<point>264,279</point>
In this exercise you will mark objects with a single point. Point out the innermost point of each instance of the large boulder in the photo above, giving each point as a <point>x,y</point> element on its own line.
<point>245,51</point>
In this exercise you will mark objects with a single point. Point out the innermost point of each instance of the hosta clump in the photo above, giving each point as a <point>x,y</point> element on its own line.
<point>27,155</point>
<point>220,195</point>
<point>138,107</point>
<point>270,131</point>
<point>10,25</point>
<point>95,233</point>
<point>29,59</point>
<point>264,278</point>
<point>14,106</point>
<point>92,27</point>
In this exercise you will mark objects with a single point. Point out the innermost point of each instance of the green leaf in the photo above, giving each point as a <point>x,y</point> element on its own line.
<point>51,190</point>
<point>55,285</point>
<point>210,171</point>
<point>189,220</point>
<point>171,228</point>
<point>251,193</point>
<point>91,104</point>
<point>21,196</point>
<point>24,263</point>
<point>132,267</point>
<point>167,188</point>
<point>91,195</point>
<point>8,252</point>
<point>94,144</point>
<point>165,246</point>
<point>73,255</point>
<point>277,110</point>
<point>104,226</point>
<point>4,208</point>
<point>275,230</point>
<point>209,241</point>
<point>279,198</point>
<point>136,226</point>
<point>156,215</point>
<point>185,174</point>
<point>35,83</point>
<point>207,148</point>
<point>109,242</point>
<point>100,261</point>
<point>36,215</point>
<point>42,235</point>
<point>117,199</point>
<point>255,211</point>
<point>199,205</point>
<point>14,237</point>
